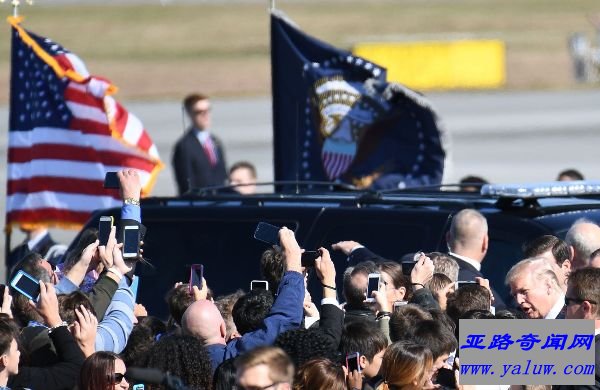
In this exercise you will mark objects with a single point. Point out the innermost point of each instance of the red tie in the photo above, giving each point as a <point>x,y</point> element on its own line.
<point>209,149</point>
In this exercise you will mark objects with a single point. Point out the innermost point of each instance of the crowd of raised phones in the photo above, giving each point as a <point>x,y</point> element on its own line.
<point>387,327</point>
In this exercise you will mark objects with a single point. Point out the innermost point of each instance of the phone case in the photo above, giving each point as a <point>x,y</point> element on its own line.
<point>18,276</point>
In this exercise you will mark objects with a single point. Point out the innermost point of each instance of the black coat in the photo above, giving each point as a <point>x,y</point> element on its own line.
<point>42,247</point>
<point>467,273</point>
<point>192,167</point>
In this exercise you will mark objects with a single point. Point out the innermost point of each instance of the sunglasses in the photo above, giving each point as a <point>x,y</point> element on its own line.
<point>201,112</point>
<point>118,377</point>
<point>570,301</point>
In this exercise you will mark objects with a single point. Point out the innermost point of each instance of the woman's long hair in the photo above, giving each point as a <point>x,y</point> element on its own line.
<point>97,371</point>
<point>404,364</point>
<point>320,374</point>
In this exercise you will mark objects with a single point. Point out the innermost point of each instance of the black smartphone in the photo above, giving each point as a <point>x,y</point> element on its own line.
<point>309,257</point>
<point>353,362</point>
<point>111,180</point>
<point>373,285</point>
<point>446,378</point>
<point>26,285</point>
<point>407,267</point>
<point>131,241</point>
<point>104,227</point>
<point>267,233</point>
<point>462,283</point>
<point>196,275</point>
<point>259,285</point>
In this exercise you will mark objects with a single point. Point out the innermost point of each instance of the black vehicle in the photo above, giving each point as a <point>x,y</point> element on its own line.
<point>217,230</point>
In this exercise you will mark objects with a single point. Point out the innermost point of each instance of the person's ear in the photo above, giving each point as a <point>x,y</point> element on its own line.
<point>587,309</point>
<point>566,267</point>
<point>485,244</point>
<point>401,293</point>
<point>363,362</point>
<point>223,329</point>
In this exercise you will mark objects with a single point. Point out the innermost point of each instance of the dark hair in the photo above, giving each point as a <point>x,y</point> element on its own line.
<point>183,356</point>
<point>190,101</point>
<point>87,237</point>
<point>225,305</point>
<point>9,331</point>
<point>472,183</point>
<point>320,374</point>
<point>363,337</point>
<point>272,267</point>
<point>225,376</point>
<point>179,299</point>
<point>251,309</point>
<point>97,371</point>
<point>583,284</point>
<point>572,174</point>
<point>478,315</point>
<point>22,309</point>
<point>405,319</point>
<point>509,314</point>
<point>68,303</point>
<point>404,363</point>
<point>243,165</point>
<point>436,337</point>
<point>538,246</point>
<point>355,295</point>
<point>143,336</point>
<point>305,344</point>
<point>394,270</point>
<point>467,298</point>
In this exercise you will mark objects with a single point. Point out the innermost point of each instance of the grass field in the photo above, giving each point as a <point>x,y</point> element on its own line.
<point>154,51</point>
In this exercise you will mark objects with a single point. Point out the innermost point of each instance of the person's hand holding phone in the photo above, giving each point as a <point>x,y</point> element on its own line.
<point>345,247</point>
<point>325,270</point>
<point>486,283</point>
<point>381,298</point>
<point>131,185</point>
<point>355,381</point>
<point>291,250</point>
<point>422,272</point>
<point>47,305</point>
<point>85,329</point>
<point>106,252</point>
<point>200,294</point>
<point>118,260</point>
<point>6,302</point>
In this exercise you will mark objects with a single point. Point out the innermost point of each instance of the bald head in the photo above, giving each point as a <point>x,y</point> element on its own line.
<point>203,320</point>
<point>468,234</point>
<point>583,238</point>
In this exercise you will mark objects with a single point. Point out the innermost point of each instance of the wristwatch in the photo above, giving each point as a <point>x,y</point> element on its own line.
<point>131,201</point>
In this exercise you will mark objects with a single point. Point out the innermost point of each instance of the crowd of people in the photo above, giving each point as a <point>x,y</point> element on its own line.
<point>86,331</point>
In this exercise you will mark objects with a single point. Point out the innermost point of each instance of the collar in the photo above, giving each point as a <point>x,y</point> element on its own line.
<point>556,309</point>
<point>596,332</point>
<point>475,264</point>
<point>202,135</point>
<point>33,242</point>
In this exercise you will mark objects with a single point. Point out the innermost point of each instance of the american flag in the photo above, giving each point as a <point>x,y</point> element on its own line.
<point>66,131</point>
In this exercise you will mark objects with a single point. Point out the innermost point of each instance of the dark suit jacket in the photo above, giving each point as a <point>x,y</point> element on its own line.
<point>192,167</point>
<point>596,385</point>
<point>22,250</point>
<point>466,272</point>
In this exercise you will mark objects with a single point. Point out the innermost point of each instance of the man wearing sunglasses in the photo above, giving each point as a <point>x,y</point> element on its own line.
<point>582,298</point>
<point>198,158</point>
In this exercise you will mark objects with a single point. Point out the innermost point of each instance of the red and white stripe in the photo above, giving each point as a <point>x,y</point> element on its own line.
<point>56,176</point>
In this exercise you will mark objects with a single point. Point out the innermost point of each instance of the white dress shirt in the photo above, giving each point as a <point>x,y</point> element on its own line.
<point>474,263</point>
<point>556,309</point>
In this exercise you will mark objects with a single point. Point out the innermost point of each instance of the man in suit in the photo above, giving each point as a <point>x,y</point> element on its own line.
<point>536,289</point>
<point>37,240</point>
<point>468,244</point>
<point>583,298</point>
<point>198,159</point>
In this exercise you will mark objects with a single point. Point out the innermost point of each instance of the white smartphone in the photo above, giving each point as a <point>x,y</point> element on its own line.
<point>399,304</point>
<point>131,242</point>
<point>259,285</point>
<point>26,285</point>
<point>373,285</point>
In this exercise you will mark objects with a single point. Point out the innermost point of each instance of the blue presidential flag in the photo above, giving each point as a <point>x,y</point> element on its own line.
<point>336,118</point>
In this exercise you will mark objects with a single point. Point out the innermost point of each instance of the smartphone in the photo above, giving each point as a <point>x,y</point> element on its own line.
<point>407,267</point>
<point>462,283</point>
<point>353,362</point>
<point>111,181</point>
<point>2,288</point>
<point>399,304</point>
<point>131,242</point>
<point>267,233</point>
<point>196,275</point>
<point>26,285</point>
<point>104,226</point>
<point>372,286</point>
<point>309,257</point>
<point>259,285</point>
<point>135,283</point>
<point>138,387</point>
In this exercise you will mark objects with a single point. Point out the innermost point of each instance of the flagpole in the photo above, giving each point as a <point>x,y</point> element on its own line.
<point>271,5</point>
